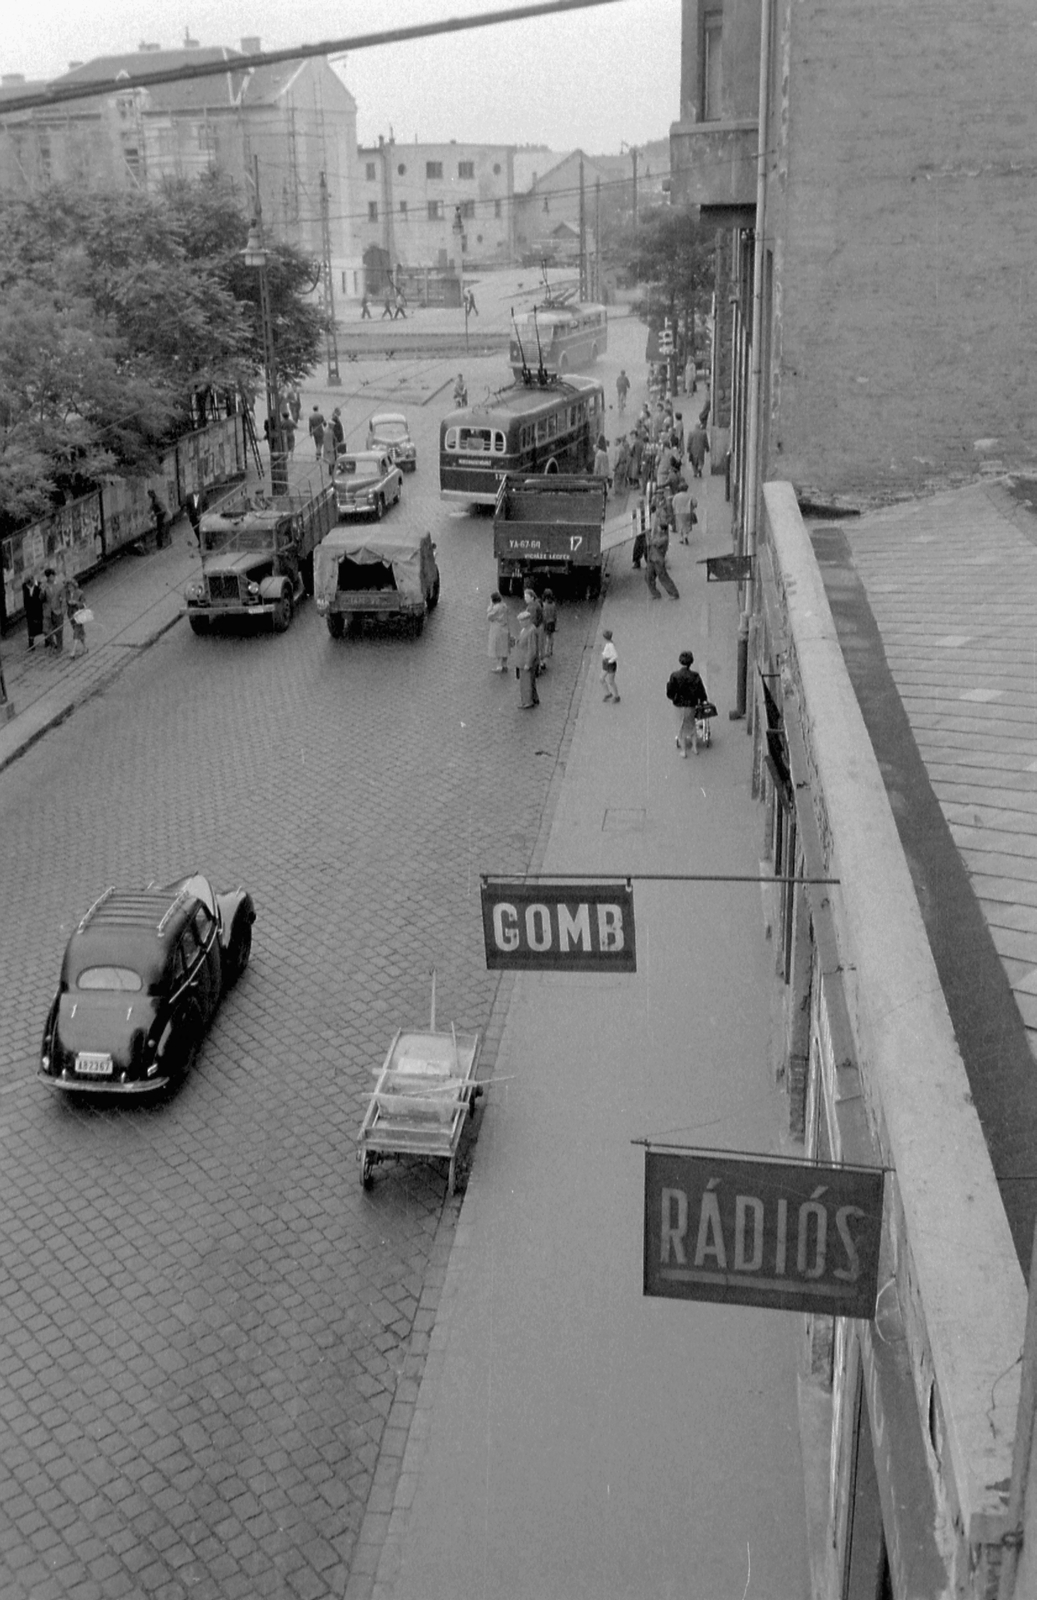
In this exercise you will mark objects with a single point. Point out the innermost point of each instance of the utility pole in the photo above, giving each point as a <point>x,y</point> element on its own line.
<point>583,238</point>
<point>330,331</point>
<point>597,238</point>
<point>256,255</point>
<point>633,157</point>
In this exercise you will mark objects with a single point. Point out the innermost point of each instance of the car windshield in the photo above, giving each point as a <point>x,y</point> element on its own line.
<point>119,980</point>
<point>389,428</point>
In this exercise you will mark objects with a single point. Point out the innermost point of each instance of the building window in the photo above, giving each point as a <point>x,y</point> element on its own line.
<point>402,169</point>
<point>372,211</point>
<point>712,78</point>
<point>496,169</point>
<point>433,169</point>
<point>403,208</point>
<point>372,172</point>
<point>547,204</point>
<point>497,208</point>
<point>467,209</point>
<point>466,169</point>
<point>435,210</point>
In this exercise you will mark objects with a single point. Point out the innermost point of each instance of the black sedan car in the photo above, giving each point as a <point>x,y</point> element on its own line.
<point>143,974</point>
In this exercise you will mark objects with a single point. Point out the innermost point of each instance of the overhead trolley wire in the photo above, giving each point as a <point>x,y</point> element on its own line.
<point>60,93</point>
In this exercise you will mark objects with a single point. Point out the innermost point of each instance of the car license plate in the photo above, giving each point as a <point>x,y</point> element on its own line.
<point>92,1065</point>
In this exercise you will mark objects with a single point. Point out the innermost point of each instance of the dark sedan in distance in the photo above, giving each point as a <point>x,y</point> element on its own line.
<point>143,974</point>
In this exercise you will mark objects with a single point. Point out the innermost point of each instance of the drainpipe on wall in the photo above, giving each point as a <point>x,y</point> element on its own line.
<point>752,485</point>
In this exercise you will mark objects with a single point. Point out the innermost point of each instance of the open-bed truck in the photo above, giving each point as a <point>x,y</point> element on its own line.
<point>549,529</point>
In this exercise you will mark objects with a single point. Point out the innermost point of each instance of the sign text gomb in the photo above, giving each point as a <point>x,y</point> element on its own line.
<point>559,927</point>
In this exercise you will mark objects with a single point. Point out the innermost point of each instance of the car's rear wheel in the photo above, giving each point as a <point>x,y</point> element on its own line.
<point>240,952</point>
<point>199,625</point>
<point>187,1044</point>
<point>433,599</point>
<point>336,624</point>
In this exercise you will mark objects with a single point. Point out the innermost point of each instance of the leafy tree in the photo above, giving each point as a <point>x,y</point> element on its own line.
<point>119,314</point>
<point>674,250</point>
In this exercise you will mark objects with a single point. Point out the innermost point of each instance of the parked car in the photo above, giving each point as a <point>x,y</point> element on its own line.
<point>366,483</point>
<point>390,431</point>
<point>143,975</point>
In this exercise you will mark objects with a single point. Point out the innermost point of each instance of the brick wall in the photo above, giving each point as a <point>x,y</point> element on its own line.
<point>904,215</point>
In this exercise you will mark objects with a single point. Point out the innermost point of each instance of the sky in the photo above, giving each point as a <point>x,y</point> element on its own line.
<point>590,79</point>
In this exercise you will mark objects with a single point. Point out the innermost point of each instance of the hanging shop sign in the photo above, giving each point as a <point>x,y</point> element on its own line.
<point>743,1230</point>
<point>559,927</point>
<point>727,569</point>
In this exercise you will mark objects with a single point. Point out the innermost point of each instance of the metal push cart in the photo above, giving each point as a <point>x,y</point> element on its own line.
<point>424,1092</point>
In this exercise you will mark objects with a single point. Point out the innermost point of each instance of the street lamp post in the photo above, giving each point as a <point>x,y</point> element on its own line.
<point>458,229</point>
<point>256,255</point>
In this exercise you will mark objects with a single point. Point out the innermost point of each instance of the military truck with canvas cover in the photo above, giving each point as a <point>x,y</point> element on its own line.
<point>258,561</point>
<point>381,574</point>
<point>549,529</point>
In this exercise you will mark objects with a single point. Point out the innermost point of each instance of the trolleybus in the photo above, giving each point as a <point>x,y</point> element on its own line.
<point>547,426</point>
<point>561,338</point>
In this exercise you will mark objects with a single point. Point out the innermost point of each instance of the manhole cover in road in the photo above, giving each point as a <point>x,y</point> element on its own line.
<point>624,819</point>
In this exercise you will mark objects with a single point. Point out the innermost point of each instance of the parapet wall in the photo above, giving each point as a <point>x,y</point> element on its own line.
<point>957,1273</point>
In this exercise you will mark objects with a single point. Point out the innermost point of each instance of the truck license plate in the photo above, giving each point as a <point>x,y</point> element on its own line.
<point>93,1065</point>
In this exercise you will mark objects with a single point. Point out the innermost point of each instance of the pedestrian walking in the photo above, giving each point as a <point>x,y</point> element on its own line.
<point>533,605</point>
<point>32,605</point>
<point>294,399</point>
<point>317,426</point>
<point>622,467</point>
<point>690,376</point>
<point>288,430</point>
<point>656,571</point>
<point>622,388</point>
<point>686,692</point>
<point>329,450</point>
<point>698,444</point>
<point>526,658</point>
<point>75,607</point>
<point>53,610</point>
<point>365,308</point>
<point>401,305</point>
<point>602,467</point>
<point>460,391</point>
<point>194,506</point>
<point>684,512</point>
<point>471,309</point>
<point>337,429</point>
<point>160,520</point>
<point>609,667</point>
<point>387,308</point>
<point>498,646</point>
<point>550,623</point>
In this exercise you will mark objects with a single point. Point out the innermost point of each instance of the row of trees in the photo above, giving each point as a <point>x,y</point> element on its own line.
<point>120,314</point>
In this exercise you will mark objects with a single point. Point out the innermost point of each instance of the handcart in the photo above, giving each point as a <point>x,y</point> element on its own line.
<point>424,1092</point>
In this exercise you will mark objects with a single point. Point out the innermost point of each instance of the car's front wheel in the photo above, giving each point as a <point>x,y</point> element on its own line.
<point>240,952</point>
<point>283,611</point>
<point>199,625</point>
<point>379,509</point>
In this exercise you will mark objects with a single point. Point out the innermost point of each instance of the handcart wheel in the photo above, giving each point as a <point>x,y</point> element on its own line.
<point>366,1168</point>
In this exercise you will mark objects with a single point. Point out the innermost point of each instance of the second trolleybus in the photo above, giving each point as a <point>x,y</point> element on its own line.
<point>551,425</point>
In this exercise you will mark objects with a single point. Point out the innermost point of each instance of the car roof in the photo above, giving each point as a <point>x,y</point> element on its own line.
<point>134,927</point>
<point>387,416</point>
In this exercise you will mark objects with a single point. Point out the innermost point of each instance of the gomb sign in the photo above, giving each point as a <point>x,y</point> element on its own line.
<point>752,1232</point>
<point>559,927</point>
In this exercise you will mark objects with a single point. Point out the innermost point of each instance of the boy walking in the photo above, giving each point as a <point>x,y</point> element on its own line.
<point>609,665</point>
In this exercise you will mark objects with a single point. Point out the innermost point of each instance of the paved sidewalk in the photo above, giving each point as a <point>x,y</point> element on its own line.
<point>571,1438</point>
<point>135,601</point>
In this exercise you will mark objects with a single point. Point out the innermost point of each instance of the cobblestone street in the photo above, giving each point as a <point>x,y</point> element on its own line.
<point>205,1321</point>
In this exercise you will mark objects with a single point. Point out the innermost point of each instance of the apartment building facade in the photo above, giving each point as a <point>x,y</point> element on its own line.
<point>297,118</point>
<point>869,172</point>
<point>438,206</point>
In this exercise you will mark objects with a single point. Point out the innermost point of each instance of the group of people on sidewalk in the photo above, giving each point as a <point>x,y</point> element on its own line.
<point>531,648</point>
<point>48,605</point>
<point>328,437</point>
